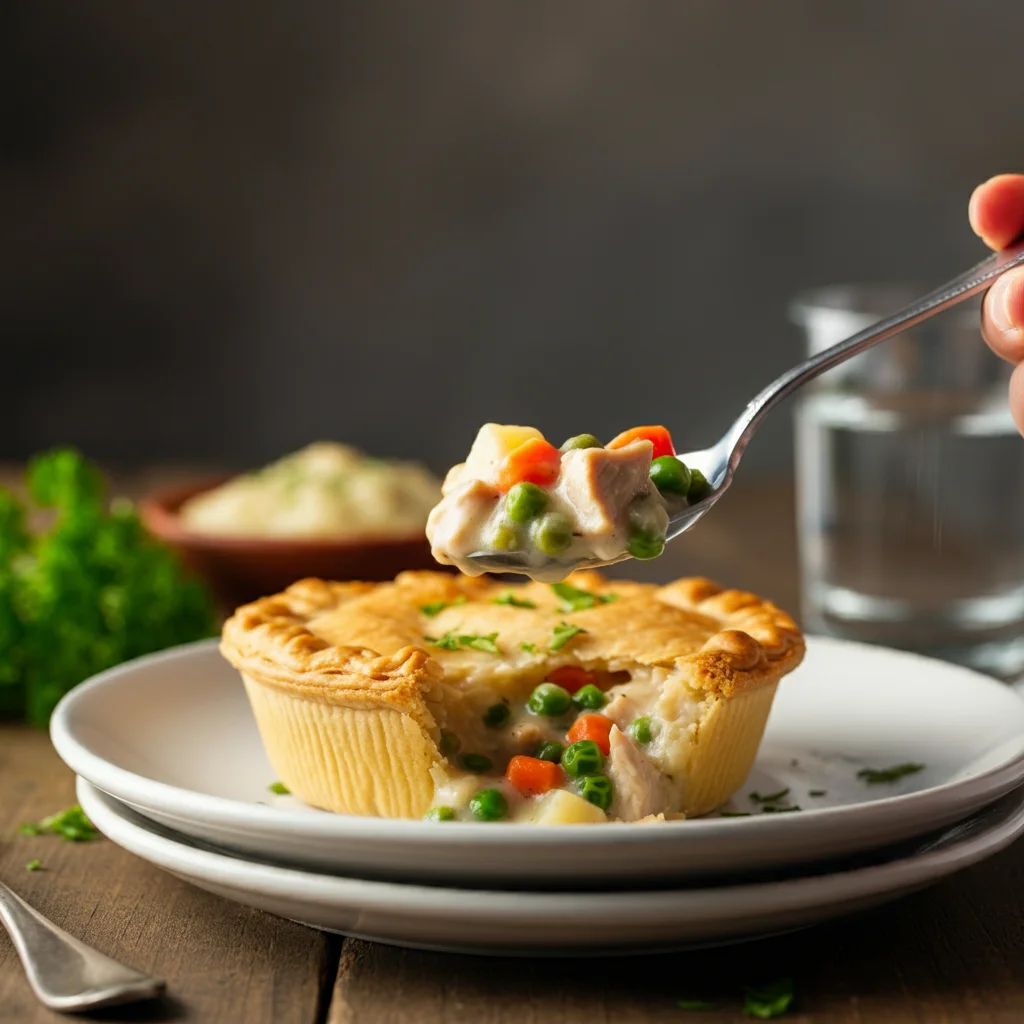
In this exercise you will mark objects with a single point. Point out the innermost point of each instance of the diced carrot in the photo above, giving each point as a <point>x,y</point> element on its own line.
<point>658,436</point>
<point>571,677</point>
<point>592,727</point>
<point>532,776</point>
<point>534,461</point>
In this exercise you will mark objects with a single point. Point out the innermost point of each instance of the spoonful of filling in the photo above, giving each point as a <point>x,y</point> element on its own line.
<point>519,504</point>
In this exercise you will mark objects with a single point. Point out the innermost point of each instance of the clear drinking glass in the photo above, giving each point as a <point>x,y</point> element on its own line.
<point>910,487</point>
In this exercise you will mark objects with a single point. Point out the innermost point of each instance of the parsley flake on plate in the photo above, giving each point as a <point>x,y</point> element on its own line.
<point>572,599</point>
<point>279,788</point>
<point>875,776</point>
<point>562,634</point>
<point>513,601</point>
<point>771,798</point>
<point>528,647</point>
<point>436,607</point>
<point>817,792</point>
<point>769,1001</point>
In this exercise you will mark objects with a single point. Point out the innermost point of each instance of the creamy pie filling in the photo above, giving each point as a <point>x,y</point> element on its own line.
<point>571,744</point>
<point>582,504</point>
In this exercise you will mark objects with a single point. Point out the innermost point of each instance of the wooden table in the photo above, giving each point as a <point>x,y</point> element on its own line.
<point>954,953</point>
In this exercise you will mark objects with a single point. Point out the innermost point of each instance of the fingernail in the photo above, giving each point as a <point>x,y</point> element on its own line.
<point>999,306</point>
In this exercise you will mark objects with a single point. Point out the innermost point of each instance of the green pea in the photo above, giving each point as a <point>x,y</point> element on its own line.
<point>643,544</point>
<point>580,441</point>
<point>597,789</point>
<point>497,716</point>
<point>550,751</point>
<point>551,533</point>
<point>503,538</point>
<point>549,699</point>
<point>589,697</point>
<point>699,486</point>
<point>670,476</point>
<point>488,805</point>
<point>583,757</point>
<point>525,501</point>
<point>642,730</point>
<point>476,763</point>
<point>450,743</point>
<point>440,814</point>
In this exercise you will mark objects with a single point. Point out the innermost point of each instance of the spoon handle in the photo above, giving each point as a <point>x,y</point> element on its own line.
<point>972,281</point>
<point>66,974</point>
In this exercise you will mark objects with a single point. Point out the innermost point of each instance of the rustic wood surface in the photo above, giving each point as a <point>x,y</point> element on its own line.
<point>954,953</point>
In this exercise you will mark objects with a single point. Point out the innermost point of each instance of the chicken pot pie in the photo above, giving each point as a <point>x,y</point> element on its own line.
<point>520,504</point>
<point>461,698</point>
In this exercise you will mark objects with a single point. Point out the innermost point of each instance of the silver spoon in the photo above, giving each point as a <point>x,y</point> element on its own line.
<point>67,975</point>
<point>718,463</point>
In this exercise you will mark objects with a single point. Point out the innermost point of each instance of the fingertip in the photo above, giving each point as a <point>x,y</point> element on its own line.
<point>1017,397</point>
<point>1002,317</point>
<point>996,209</point>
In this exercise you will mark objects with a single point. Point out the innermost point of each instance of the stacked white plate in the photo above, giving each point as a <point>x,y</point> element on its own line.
<point>171,768</point>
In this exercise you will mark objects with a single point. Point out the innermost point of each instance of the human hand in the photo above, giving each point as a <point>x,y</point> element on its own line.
<point>997,215</point>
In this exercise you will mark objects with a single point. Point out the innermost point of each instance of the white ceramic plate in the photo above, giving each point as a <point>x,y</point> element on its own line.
<point>553,923</point>
<point>172,735</point>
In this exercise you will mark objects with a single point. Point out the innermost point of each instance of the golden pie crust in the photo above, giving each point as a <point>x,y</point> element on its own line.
<point>348,694</point>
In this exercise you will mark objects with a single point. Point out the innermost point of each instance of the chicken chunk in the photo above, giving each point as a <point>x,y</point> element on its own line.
<point>639,788</point>
<point>453,527</point>
<point>599,483</point>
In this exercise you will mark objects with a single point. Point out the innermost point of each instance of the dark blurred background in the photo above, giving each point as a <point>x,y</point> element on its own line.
<point>230,229</point>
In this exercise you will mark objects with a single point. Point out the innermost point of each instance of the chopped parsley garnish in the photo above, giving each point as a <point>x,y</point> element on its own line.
<point>513,601</point>
<point>769,1001</point>
<point>572,599</point>
<point>776,809</point>
<point>279,788</point>
<point>436,607</point>
<point>447,642</point>
<point>771,798</point>
<point>34,865</point>
<point>528,647</point>
<point>874,776</point>
<point>465,641</point>
<point>562,634</point>
<point>734,814</point>
<point>817,792</point>
<point>695,1004</point>
<point>481,643</point>
<point>71,825</point>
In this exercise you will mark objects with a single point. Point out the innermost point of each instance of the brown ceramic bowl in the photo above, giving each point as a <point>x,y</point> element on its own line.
<point>241,569</point>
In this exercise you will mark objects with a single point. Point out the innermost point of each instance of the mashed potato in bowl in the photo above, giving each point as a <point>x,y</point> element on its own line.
<point>324,490</point>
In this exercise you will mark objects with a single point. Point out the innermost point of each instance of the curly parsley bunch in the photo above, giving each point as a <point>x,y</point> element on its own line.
<point>91,591</point>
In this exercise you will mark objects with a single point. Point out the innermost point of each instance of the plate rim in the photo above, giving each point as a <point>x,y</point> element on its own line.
<point>916,869</point>
<point>249,818</point>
